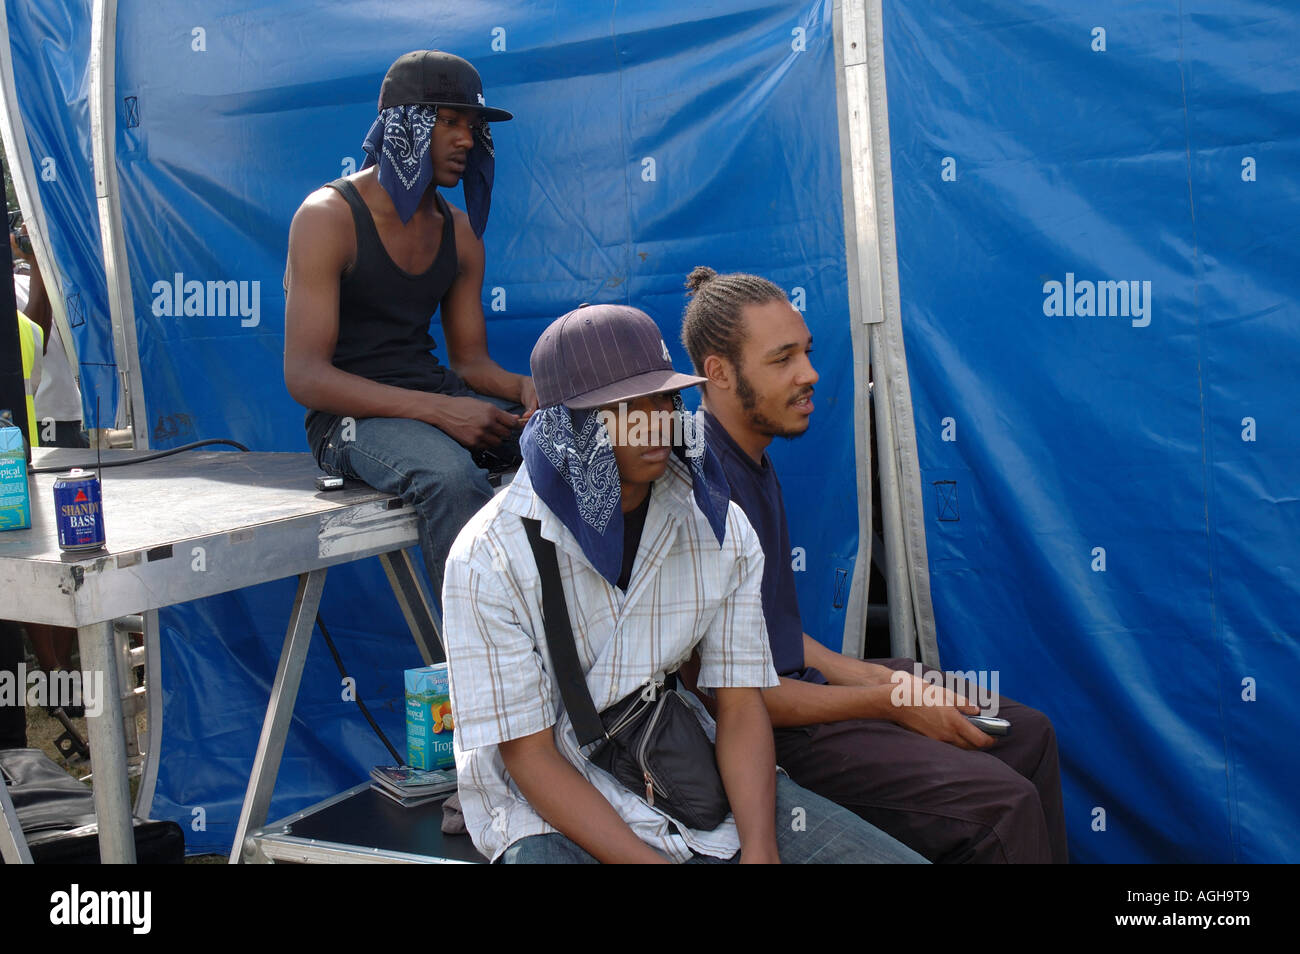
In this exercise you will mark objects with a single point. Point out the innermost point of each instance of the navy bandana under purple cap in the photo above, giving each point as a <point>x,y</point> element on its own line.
<point>398,142</point>
<point>572,468</point>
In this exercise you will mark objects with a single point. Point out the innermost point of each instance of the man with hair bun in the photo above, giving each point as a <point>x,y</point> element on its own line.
<point>923,773</point>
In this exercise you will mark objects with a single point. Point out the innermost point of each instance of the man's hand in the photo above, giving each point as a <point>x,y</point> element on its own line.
<point>571,804</point>
<point>17,250</point>
<point>945,722</point>
<point>879,688</point>
<point>473,423</point>
<point>796,702</point>
<point>527,396</point>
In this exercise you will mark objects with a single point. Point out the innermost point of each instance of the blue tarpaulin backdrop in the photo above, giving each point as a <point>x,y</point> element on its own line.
<point>1111,500</point>
<point>1123,546</point>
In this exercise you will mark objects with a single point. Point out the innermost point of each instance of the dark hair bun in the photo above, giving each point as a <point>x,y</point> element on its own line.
<point>700,274</point>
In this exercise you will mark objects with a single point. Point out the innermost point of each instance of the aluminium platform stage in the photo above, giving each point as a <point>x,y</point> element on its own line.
<point>361,826</point>
<point>197,524</point>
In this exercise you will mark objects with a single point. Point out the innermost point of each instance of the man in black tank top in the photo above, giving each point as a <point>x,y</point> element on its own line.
<point>372,257</point>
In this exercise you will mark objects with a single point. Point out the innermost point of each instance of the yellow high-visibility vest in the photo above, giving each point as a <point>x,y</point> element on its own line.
<point>33,343</point>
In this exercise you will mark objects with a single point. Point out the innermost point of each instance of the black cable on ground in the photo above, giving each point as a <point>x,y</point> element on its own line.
<point>338,661</point>
<point>138,460</point>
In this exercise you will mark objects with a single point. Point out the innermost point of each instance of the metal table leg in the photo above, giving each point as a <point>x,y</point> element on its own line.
<point>279,712</point>
<point>154,719</point>
<point>415,605</point>
<point>108,747</point>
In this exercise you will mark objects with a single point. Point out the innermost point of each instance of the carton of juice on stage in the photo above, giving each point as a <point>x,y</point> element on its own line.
<point>15,499</point>
<point>429,724</point>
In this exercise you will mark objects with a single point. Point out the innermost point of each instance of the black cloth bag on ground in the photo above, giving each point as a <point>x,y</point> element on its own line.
<point>57,815</point>
<point>651,741</point>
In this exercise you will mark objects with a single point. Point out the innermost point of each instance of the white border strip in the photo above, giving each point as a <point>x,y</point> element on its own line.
<point>859,247</point>
<point>910,560</point>
<point>131,411</point>
<point>874,295</point>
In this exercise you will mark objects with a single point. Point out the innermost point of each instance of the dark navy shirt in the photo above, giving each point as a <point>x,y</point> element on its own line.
<point>757,491</point>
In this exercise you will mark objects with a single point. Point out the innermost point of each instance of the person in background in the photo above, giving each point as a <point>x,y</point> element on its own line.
<point>58,398</point>
<point>55,412</point>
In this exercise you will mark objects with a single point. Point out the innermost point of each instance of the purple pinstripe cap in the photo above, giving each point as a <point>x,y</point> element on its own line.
<point>602,354</point>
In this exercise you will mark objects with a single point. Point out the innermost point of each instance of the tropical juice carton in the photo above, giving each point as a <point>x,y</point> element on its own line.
<point>15,498</point>
<point>429,724</point>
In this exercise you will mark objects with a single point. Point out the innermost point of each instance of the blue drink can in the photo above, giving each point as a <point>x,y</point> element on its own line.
<point>79,510</point>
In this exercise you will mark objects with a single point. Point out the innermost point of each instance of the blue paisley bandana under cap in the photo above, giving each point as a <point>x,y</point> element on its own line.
<point>398,142</point>
<point>571,466</point>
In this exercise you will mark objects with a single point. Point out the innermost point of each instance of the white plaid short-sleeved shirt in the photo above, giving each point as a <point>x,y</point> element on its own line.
<point>684,591</point>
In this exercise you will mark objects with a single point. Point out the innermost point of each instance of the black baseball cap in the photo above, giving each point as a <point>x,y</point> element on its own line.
<point>603,354</point>
<point>435,78</point>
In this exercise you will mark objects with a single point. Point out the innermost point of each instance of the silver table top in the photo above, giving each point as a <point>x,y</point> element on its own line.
<point>187,526</point>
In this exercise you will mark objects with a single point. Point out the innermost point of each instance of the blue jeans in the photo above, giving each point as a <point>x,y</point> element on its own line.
<point>424,466</point>
<point>809,830</point>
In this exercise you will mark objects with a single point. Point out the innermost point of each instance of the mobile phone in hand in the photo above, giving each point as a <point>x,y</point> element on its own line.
<point>991,725</point>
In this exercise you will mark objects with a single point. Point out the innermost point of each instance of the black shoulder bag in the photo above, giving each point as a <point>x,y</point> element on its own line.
<point>651,740</point>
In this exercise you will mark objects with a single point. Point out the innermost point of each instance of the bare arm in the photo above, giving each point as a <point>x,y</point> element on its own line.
<point>795,702</point>
<point>877,693</point>
<point>466,330</point>
<point>842,670</point>
<point>747,764</point>
<point>38,302</point>
<point>855,691</point>
<point>570,803</point>
<point>321,245</point>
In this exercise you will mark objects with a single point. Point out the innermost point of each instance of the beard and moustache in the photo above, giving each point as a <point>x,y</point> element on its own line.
<point>757,419</point>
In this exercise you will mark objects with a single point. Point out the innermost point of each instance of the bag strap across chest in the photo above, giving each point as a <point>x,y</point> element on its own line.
<point>559,640</point>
